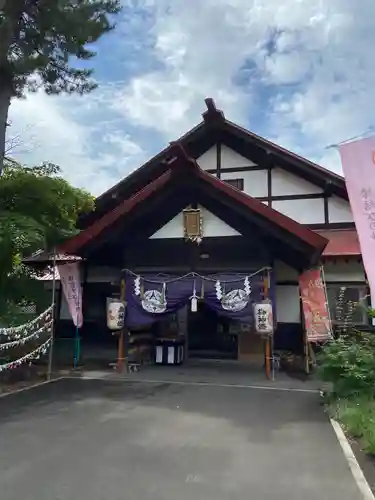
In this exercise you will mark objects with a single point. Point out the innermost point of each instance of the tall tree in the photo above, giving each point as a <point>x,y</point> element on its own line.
<point>37,208</point>
<point>41,43</point>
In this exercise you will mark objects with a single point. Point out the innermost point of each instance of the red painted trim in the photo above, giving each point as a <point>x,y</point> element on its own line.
<point>75,243</point>
<point>341,243</point>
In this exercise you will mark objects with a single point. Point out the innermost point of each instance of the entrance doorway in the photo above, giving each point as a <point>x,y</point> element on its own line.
<point>209,335</point>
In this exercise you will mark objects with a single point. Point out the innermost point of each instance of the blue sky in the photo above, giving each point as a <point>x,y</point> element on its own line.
<point>298,72</point>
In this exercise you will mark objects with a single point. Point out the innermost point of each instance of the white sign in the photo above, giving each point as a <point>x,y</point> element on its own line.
<point>263,315</point>
<point>71,285</point>
<point>115,314</point>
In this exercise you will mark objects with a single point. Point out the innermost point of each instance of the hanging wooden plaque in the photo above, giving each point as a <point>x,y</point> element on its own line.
<point>192,223</point>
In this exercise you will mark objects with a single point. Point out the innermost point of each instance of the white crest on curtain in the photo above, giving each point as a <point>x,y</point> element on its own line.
<point>236,300</point>
<point>155,302</point>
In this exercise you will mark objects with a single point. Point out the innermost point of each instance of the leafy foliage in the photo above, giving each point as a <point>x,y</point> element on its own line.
<point>39,38</point>
<point>38,209</point>
<point>348,362</point>
<point>46,44</point>
<point>357,415</point>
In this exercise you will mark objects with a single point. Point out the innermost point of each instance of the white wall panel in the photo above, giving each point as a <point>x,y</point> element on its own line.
<point>285,183</point>
<point>208,160</point>
<point>344,271</point>
<point>212,227</point>
<point>255,181</point>
<point>287,304</point>
<point>309,211</point>
<point>339,210</point>
<point>231,159</point>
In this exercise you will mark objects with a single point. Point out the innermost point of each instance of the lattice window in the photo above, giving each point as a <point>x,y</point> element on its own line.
<point>237,183</point>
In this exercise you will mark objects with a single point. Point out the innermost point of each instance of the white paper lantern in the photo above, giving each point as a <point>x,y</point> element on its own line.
<point>115,314</point>
<point>263,316</point>
<point>194,304</point>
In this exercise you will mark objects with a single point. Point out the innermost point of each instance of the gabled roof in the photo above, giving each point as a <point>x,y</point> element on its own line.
<point>216,128</point>
<point>184,169</point>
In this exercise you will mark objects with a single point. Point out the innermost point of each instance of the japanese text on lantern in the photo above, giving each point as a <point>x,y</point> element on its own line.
<point>369,209</point>
<point>262,319</point>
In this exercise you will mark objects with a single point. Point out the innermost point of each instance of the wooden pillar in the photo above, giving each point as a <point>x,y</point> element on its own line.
<point>267,342</point>
<point>121,340</point>
<point>305,339</point>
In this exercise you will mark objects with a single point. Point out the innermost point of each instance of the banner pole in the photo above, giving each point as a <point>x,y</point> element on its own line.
<point>327,301</point>
<point>121,342</point>
<point>76,349</point>
<point>50,354</point>
<point>267,342</point>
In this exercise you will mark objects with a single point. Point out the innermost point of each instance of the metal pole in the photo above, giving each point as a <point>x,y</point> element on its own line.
<point>50,357</point>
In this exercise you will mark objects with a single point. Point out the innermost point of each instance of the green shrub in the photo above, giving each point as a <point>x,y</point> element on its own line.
<point>349,364</point>
<point>358,418</point>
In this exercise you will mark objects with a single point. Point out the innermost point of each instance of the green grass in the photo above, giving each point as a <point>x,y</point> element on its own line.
<point>357,415</point>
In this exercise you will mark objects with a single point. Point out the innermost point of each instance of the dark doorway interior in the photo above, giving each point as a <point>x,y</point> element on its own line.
<point>208,335</point>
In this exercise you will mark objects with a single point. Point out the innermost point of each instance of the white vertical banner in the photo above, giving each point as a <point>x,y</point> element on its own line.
<point>71,285</point>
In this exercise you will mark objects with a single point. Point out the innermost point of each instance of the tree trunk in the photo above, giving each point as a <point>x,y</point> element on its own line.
<point>5,97</point>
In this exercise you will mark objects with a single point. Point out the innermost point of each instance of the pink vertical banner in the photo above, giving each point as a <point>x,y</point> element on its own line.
<point>358,164</point>
<point>71,285</point>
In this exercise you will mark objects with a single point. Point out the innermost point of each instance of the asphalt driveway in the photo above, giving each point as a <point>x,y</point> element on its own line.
<point>100,439</point>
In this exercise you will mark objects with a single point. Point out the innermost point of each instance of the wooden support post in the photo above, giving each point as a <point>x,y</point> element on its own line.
<point>121,340</point>
<point>307,356</point>
<point>305,339</point>
<point>267,342</point>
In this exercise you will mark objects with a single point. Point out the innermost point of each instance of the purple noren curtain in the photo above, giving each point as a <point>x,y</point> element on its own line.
<point>158,302</point>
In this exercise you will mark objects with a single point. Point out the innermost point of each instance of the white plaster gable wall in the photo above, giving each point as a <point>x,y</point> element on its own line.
<point>212,227</point>
<point>229,159</point>
<point>307,211</point>
<point>285,183</point>
<point>232,159</point>
<point>208,160</point>
<point>310,211</point>
<point>339,210</point>
<point>255,181</point>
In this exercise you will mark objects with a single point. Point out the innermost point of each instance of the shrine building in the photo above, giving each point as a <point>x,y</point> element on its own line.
<point>222,216</point>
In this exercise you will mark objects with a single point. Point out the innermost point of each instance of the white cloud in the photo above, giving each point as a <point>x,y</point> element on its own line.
<point>91,154</point>
<point>298,71</point>
<point>324,47</point>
